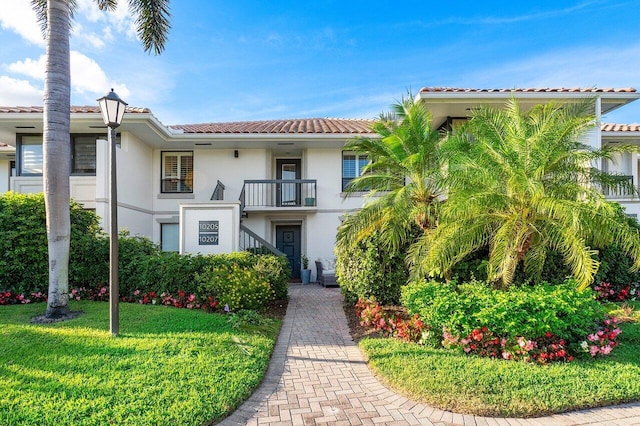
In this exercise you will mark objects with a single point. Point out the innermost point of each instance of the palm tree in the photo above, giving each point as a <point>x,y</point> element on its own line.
<point>55,16</point>
<point>522,184</point>
<point>403,178</point>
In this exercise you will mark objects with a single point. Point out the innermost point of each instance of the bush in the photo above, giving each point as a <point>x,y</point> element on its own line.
<point>277,272</point>
<point>366,270</point>
<point>238,288</point>
<point>23,246</point>
<point>528,311</point>
<point>143,268</point>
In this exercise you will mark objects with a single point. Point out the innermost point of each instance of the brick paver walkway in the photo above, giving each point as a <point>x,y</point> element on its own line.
<point>317,375</point>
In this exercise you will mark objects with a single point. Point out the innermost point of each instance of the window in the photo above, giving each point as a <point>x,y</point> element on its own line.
<point>352,165</point>
<point>169,236</point>
<point>31,160</point>
<point>177,172</point>
<point>83,155</point>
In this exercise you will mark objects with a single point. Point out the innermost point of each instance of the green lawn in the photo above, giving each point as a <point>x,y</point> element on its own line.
<point>467,384</point>
<point>168,366</point>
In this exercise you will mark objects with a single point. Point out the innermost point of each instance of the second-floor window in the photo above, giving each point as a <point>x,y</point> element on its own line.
<point>31,155</point>
<point>83,155</point>
<point>177,172</point>
<point>352,165</point>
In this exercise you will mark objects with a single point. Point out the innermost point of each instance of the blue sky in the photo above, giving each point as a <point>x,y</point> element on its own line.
<point>255,60</point>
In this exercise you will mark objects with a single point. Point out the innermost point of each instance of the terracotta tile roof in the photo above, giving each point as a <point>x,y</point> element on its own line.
<point>613,127</point>
<point>74,110</point>
<point>302,126</point>
<point>528,90</point>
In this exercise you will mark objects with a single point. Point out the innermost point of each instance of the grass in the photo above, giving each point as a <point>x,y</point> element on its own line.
<point>467,384</point>
<point>168,366</point>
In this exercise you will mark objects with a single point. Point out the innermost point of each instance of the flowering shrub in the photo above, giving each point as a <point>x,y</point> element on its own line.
<point>410,330</point>
<point>604,340</point>
<point>608,292</point>
<point>10,298</point>
<point>485,343</point>
<point>550,348</point>
<point>371,314</point>
<point>83,293</point>
<point>239,288</point>
<point>529,311</point>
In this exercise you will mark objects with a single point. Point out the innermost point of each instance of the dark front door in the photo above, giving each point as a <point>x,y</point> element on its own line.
<point>288,242</point>
<point>288,193</point>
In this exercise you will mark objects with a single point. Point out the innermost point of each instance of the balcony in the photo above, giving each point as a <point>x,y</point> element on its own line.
<point>279,195</point>
<point>626,190</point>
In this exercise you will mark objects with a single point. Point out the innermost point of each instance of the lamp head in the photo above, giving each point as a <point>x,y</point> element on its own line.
<point>112,108</point>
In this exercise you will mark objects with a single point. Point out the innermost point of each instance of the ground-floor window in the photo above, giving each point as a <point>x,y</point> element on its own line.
<point>170,236</point>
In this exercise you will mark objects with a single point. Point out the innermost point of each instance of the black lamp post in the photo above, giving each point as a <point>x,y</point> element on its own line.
<point>112,108</point>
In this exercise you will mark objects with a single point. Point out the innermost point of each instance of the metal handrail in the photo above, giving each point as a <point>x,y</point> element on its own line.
<point>251,241</point>
<point>279,193</point>
<point>218,192</point>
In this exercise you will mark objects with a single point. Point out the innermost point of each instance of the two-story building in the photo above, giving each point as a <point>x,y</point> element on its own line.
<point>278,182</point>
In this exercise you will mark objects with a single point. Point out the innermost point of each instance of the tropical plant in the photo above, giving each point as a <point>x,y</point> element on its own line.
<point>152,19</point>
<point>403,177</point>
<point>522,184</point>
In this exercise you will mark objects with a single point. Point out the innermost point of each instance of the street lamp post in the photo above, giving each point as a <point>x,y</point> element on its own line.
<point>112,108</point>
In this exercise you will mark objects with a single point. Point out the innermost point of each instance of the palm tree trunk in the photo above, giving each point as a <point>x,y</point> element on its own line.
<point>57,155</point>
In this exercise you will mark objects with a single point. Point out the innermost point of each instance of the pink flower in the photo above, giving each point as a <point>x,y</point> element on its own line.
<point>605,350</point>
<point>137,292</point>
<point>593,350</point>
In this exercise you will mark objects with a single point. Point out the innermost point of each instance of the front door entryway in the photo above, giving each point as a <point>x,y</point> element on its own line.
<point>288,193</point>
<point>288,242</point>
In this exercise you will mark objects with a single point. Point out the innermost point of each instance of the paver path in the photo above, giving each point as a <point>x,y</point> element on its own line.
<point>317,375</point>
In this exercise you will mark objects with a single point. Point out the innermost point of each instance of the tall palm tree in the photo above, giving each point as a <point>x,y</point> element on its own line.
<point>521,184</point>
<point>403,177</point>
<point>55,16</point>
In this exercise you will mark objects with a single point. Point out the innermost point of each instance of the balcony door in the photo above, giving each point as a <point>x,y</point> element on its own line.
<point>288,194</point>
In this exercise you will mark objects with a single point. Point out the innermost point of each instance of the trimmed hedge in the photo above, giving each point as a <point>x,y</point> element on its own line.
<point>23,246</point>
<point>367,270</point>
<point>143,266</point>
<point>526,311</point>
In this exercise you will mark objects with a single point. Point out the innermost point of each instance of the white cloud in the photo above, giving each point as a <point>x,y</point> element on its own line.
<point>88,77</point>
<point>19,17</point>
<point>15,92</point>
<point>29,67</point>
<point>91,38</point>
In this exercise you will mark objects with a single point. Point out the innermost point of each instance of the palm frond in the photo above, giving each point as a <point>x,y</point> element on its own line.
<point>152,23</point>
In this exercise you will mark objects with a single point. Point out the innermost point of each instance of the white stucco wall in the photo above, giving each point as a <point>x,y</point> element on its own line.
<point>220,231</point>
<point>134,173</point>
<point>4,175</point>
<point>82,188</point>
<point>209,166</point>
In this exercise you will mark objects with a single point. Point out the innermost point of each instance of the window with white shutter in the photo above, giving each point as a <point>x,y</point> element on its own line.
<point>352,165</point>
<point>177,172</point>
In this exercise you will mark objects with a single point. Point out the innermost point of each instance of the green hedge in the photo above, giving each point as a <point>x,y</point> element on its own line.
<point>366,270</point>
<point>142,266</point>
<point>23,246</point>
<point>526,311</point>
